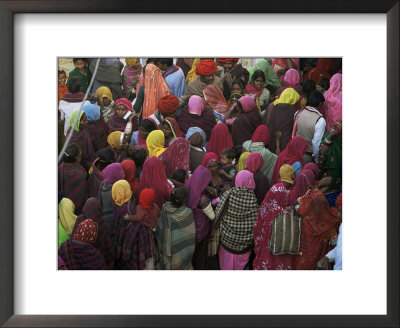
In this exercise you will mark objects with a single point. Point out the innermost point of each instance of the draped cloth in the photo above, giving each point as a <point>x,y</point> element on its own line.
<point>332,164</point>
<point>215,98</point>
<point>271,78</point>
<point>318,225</point>
<point>206,121</point>
<point>155,143</point>
<point>274,203</point>
<point>155,88</point>
<point>245,125</point>
<point>84,140</point>
<point>176,156</point>
<point>220,139</point>
<point>333,101</point>
<point>302,182</point>
<point>269,158</point>
<point>98,131</point>
<point>129,168</point>
<point>66,214</point>
<point>254,163</point>
<point>175,235</point>
<point>78,255</point>
<point>153,176</point>
<point>92,210</point>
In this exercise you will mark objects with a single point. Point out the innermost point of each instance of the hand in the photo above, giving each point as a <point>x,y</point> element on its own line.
<point>323,263</point>
<point>132,116</point>
<point>126,217</point>
<point>211,190</point>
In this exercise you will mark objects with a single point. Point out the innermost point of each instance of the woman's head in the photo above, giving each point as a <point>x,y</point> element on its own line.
<point>155,142</point>
<point>196,105</point>
<point>286,173</point>
<point>72,154</point>
<point>210,161</point>
<point>139,156</point>
<point>74,84</point>
<point>180,175</point>
<point>258,79</point>
<point>196,136</point>
<point>245,179</point>
<point>179,197</point>
<point>146,126</point>
<point>238,87</point>
<point>121,192</point>
<point>246,104</point>
<point>316,99</point>
<point>113,172</point>
<point>261,134</point>
<point>122,105</point>
<point>92,112</point>
<point>106,157</point>
<point>133,62</point>
<point>105,96</point>
<point>78,119</point>
<point>166,129</point>
<point>254,162</point>
<point>118,140</point>
<point>62,77</point>
<point>87,231</point>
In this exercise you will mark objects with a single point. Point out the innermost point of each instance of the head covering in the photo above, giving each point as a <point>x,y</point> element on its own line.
<point>247,103</point>
<point>176,131</point>
<point>176,156</point>
<point>254,162</point>
<point>206,67</point>
<point>242,161</point>
<point>194,130</point>
<point>92,112</point>
<point>333,101</point>
<point>121,192</point>
<point>220,139</point>
<point>196,105</point>
<point>155,143</point>
<point>66,213</point>
<point>131,61</point>
<point>146,199</point>
<point>125,102</point>
<point>215,98</point>
<point>104,92</point>
<point>271,78</point>
<point>196,184</point>
<point>113,173</point>
<point>302,182</point>
<point>114,139</point>
<point>75,116</point>
<point>286,172</point>
<point>261,134</point>
<point>224,60</point>
<point>87,231</point>
<point>208,159</point>
<point>313,167</point>
<point>292,78</point>
<point>288,96</point>
<point>168,104</point>
<point>129,168</point>
<point>191,75</point>
<point>245,179</point>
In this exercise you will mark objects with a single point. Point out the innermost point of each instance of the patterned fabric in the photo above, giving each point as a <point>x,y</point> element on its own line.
<point>220,139</point>
<point>116,123</point>
<point>84,140</point>
<point>73,97</point>
<point>146,217</point>
<point>72,181</point>
<point>245,125</point>
<point>87,231</point>
<point>269,158</point>
<point>175,237</point>
<point>104,243</point>
<point>98,131</point>
<point>176,156</point>
<point>237,221</point>
<point>317,226</point>
<point>130,77</point>
<point>274,203</point>
<point>206,121</point>
<point>79,255</point>
<point>215,98</point>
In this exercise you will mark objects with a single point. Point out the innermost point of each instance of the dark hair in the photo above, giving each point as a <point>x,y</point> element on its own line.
<point>74,84</point>
<point>324,83</point>
<point>238,151</point>
<point>139,156</point>
<point>147,125</point>
<point>258,73</point>
<point>179,175</point>
<point>106,157</point>
<point>240,82</point>
<point>61,71</point>
<point>229,153</point>
<point>168,61</point>
<point>179,196</point>
<point>309,87</point>
<point>152,60</point>
<point>315,99</point>
<point>71,153</point>
<point>74,60</point>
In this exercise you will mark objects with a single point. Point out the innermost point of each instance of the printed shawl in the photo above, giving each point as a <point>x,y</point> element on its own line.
<point>206,121</point>
<point>220,139</point>
<point>175,237</point>
<point>81,256</point>
<point>116,123</point>
<point>177,156</point>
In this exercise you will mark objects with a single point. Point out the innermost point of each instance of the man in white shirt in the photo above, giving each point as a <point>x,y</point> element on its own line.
<point>310,125</point>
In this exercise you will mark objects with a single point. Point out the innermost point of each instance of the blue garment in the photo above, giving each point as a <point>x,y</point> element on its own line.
<point>297,168</point>
<point>176,83</point>
<point>194,130</point>
<point>92,112</point>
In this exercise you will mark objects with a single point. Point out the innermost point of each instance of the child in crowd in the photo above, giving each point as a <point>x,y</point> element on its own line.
<point>227,169</point>
<point>179,178</point>
<point>62,87</point>
<point>81,69</point>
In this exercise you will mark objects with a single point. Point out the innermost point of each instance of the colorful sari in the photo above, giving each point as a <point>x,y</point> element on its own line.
<point>215,98</point>
<point>220,139</point>
<point>254,163</point>
<point>332,106</point>
<point>269,158</point>
<point>176,156</point>
<point>155,143</point>
<point>271,78</point>
<point>129,168</point>
<point>116,123</point>
<point>245,125</point>
<point>305,179</point>
<point>78,255</point>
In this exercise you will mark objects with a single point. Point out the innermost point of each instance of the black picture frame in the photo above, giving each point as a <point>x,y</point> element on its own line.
<point>7,11</point>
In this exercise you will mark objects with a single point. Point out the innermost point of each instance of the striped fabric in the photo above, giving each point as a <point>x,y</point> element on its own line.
<point>78,255</point>
<point>72,181</point>
<point>206,121</point>
<point>84,141</point>
<point>175,235</point>
<point>98,132</point>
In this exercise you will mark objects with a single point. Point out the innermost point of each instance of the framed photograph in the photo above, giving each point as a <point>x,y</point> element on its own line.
<point>35,34</point>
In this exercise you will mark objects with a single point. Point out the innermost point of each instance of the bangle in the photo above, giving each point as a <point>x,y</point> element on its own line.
<point>328,142</point>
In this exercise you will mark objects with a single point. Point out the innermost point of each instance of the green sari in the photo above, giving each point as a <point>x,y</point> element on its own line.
<point>62,234</point>
<point>333,162</point>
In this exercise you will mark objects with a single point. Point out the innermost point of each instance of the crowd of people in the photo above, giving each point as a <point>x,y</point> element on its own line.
<point>191,163</point>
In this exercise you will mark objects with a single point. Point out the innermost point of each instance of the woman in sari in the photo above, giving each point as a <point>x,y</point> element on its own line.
<point>139,137</point>
<point>260,139</point>
<point>81,137</point>
<point>105,101</point>
<point>318,229</point>
<point>153,176</point>
<point>304,180</point>
<point>233,229</point>
<point>155,143</point>
<point>280,119</point>
<point>104,157</point>
<point>155,88</point>
<point>276,200</point>
<point>220,139</point>
<point>256,90</point>
<point>254,164</point>
<point>216,100</point>
<point>292,155</point>
<point>176,233</point>
<point>135,247</point>
<point>291,80</point>
<point>332,107</point>
<point>97,127</point>
<point>92,210</point>
<point>176,156</point>
<point>271,78</point>
<point>72,177</point>
<point>79,253</point>
<point>247,121</point>
<point>119,143</point>
<point>129,168</point>
<point>67,217</point>
<point>112,173</point>
<point>321,71</point>
<point>216,186</point>
<point>195,114</point>
<point>171,130</point>
<point>117,121</point>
